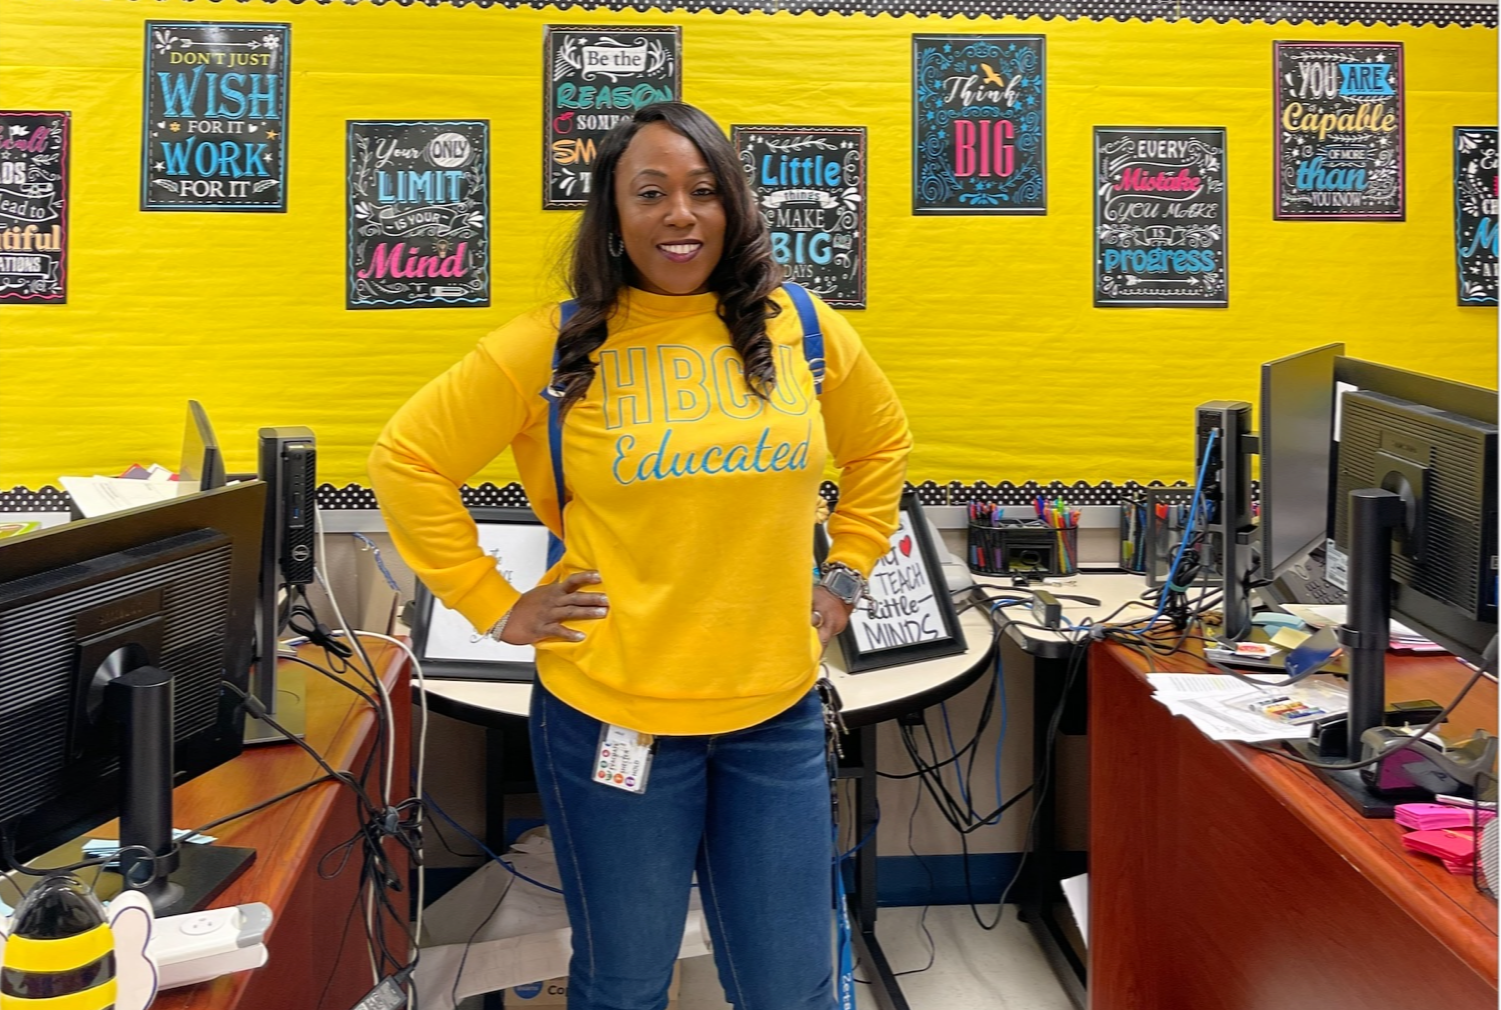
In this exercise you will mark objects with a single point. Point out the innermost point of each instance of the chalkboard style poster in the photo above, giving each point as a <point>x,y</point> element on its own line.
<point>419,213</point>
<point>809,182</point>
<point>592,79</point>
<point>1160,216</point>
<point>1475,205</point>
<point>214,133</point>
<point>978,125</point>
<point>1341,119</point>
<point>912,617</point>
<point>34,207</point>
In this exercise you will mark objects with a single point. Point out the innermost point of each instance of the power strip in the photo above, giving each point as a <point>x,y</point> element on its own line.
<point>198,946</point>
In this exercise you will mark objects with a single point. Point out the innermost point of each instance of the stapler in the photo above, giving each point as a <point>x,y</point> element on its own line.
<point>1427,766</point>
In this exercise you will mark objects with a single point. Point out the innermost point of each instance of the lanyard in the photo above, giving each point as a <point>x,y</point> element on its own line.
<point>834,727</point>
<point>846,983</point>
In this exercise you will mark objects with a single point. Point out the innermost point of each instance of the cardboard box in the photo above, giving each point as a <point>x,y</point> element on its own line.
<point>554,992</point>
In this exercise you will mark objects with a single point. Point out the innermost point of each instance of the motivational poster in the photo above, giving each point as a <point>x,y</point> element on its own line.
<point>809,183</point>
<point>1341,112</point>
<point>215,116</point>
<point>1475,199</point>
<point>419,213</point>
<point>978,124</point>
<point>1160,216</point>
<point>34,207</point>
<point>592,79</point>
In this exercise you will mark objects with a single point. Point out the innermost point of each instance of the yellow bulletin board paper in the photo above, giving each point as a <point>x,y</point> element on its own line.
<point>984,324</point>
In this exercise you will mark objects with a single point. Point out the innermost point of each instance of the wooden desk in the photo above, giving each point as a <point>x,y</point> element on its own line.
<point>316,946</point>
<point>1224,877</point>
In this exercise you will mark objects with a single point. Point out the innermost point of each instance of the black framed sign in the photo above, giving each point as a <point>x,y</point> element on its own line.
<point>418,214</point>
<point>913,617</point>
<point>34,155</point>
<point>592,78</point>
<point>448,646</point>
<point>214,129</point>
<point>1339,147</point>
<point>809,183</point>
<point>979,123</point>
<point>1475,205</point>
<point>1160,217</point>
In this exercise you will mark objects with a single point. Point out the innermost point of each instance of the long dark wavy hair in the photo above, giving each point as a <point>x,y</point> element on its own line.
<point>744,278</point>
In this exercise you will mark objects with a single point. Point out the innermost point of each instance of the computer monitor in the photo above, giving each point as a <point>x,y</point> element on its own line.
<point>1351,374</point>
<point>169,586</point>
<point>202,465</point>
<point>1412,537</point>
<point>1442,466</point>
<point>1296,426</point>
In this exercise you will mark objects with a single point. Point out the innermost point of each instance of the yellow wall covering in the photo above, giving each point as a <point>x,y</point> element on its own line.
<point>984,324</point>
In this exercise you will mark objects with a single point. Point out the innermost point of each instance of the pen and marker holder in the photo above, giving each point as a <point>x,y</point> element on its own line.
<point>1032,550</point>
<point>1153,522</point>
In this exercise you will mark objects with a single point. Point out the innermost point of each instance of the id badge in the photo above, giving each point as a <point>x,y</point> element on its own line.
<point>624,758</point>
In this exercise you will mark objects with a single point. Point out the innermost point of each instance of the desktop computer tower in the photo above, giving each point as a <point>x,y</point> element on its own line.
<point>289,468</point>
<point>1231,530</point>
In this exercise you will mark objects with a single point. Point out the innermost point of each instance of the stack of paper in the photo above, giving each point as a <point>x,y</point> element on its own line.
<point>1403,638</point>
<point>1437,816</point>
<point>1225,708</point>
<point>97,496</point>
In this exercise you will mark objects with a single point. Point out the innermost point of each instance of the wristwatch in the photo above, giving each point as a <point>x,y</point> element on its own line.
<point>844,582</point>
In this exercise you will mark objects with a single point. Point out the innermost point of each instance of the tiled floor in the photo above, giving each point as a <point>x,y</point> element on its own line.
<point>974,970</point>
<point>1002,969</point>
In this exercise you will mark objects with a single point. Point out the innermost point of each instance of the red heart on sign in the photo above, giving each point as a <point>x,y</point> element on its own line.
<point>906,546</point>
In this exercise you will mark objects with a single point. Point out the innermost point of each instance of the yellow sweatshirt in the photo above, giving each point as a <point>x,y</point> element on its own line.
<point>692,498</point>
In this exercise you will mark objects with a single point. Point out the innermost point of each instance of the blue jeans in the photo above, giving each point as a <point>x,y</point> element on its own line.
<point>748,810</point>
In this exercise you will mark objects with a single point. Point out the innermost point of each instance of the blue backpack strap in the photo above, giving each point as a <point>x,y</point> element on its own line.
<point>554,398</point>
<point>812,334</point>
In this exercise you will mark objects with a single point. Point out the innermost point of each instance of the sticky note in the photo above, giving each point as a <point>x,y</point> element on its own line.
<point>1290,638</point>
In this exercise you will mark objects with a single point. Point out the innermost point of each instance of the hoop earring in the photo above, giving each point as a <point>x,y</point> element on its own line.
<point>617,245</point>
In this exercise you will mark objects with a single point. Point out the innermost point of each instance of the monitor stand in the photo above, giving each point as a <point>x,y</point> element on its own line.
<point>1347,785</point>
<point>289,707</point>
<point>177,877</point>
<point>1374,513</point>
<point>280,687</point>
<point>203,873</point>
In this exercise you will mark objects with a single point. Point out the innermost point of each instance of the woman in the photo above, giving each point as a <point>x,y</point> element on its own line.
<point>683,611</point>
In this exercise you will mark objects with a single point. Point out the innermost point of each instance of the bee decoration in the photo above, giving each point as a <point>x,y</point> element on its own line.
<point>62,951</point>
